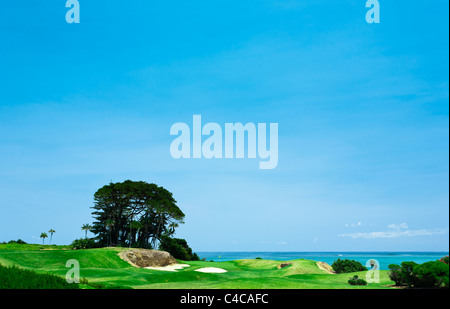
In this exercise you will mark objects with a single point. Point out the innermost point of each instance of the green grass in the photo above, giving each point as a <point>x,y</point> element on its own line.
<point>104,266</point>
<point>17,246</point>
<point>16,278</point>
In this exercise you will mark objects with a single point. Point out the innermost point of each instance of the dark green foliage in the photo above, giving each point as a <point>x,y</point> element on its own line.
<point>431,275</point>
<point>134,212</point>
<point>18,241</point>
<point>178,248</point>
<point>407,273</point>
<point>395,274</point>
<point>357,281</point>
<point>84,243</point>
<point>445,282</point>
<point>347,266</point>
<point>16,278</point>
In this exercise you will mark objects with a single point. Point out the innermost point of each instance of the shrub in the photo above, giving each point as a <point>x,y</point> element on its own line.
<point>16,278</point>
<point>84,243</point>
<point>178,248</point>
<point>407,273</point>
<point>431,275</point>
<point>347,266</point>
<point>444,260</point>
<point>18,241</point>
<point>357,281</point>
<point>445,282</point>
<point>395,274</point>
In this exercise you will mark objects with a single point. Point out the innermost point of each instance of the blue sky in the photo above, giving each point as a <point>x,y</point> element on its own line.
<point>362,110</point>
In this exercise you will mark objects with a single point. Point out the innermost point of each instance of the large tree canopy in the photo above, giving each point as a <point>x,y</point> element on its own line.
<point>134,213</point>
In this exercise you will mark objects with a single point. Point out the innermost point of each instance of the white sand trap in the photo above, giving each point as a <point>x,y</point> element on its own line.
<point>173,267</point>
<point>211,270</point>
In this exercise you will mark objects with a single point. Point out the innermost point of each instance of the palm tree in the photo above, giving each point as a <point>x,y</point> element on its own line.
<point>43,236</point>
<point>51,231</point>
<point>86,228</point>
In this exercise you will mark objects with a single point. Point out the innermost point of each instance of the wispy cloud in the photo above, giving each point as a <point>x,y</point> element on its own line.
<point>397,232</point>
<point>354,224</point>
<point>400,226</point>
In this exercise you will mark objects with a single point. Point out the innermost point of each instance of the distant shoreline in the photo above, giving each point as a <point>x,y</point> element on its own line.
<point>385,258</point>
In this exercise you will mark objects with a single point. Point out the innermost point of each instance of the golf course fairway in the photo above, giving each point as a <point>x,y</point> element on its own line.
<point>104,266</point>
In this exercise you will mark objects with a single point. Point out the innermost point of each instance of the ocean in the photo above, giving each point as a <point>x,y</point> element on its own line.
<point>384,258</point>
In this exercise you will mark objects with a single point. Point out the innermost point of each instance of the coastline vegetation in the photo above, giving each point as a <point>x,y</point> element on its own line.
<point>432,274</point>
<point>103,268</point>
<point>142,215</point>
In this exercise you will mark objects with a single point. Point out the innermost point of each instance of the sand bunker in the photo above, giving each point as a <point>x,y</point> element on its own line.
<point>173,267</point>
<point>159,260</point>
<point>326,267</point>
<point>211,270</point>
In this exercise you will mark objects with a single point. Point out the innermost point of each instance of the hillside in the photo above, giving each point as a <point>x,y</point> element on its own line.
<point>106,267</point>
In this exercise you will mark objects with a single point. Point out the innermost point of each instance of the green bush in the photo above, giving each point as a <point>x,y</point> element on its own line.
<point>357,281</point>
<point>395,274</point>
<point>347,266</point>
<point>445,282</point>
<point>444,260</point>
<point>407,273</point>
<point>433,274</point>
<point>16,278</point>
<point>178,248</point>
<point>84,243</point>
<point>18,241</point>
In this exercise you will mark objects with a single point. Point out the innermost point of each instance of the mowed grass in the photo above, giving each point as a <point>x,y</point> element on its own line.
<point>105,266</point>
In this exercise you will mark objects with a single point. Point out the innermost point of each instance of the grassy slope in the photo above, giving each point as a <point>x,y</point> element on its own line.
<point>104,266</point>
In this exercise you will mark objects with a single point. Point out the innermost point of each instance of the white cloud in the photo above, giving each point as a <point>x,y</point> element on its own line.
<point>400,226</point>
<point>399,232</point>
<point>354,224</point>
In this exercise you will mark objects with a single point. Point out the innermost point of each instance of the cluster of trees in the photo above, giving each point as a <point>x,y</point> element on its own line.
<point>432,274</point>
<point>134,214</point>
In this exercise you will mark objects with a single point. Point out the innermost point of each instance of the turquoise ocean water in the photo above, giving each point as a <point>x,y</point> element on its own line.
<point>383,258</point>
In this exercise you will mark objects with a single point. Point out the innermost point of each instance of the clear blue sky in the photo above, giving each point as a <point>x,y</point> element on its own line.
<point>362,110</point>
